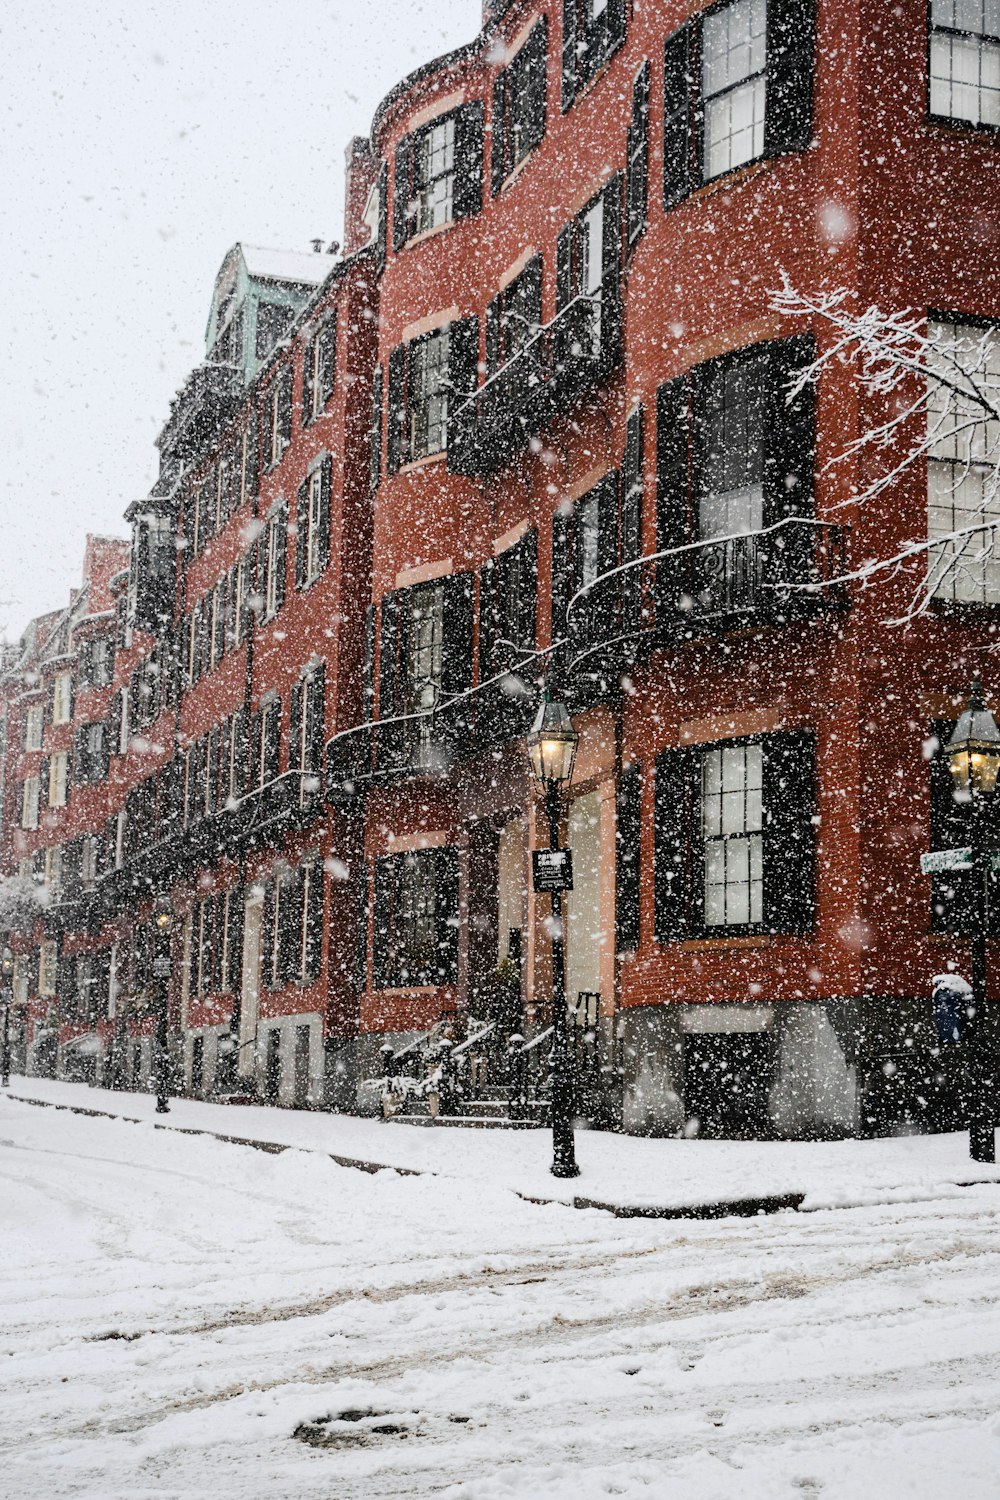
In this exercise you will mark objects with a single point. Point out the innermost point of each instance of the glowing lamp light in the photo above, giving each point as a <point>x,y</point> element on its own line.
<point>974,749</point>
<point>552,744</point>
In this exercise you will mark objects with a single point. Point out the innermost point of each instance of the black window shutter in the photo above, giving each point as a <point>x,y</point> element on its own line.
<point>328,356</point>
<point>564,266</point>
<point>383,967</point>
<point>368,705</point>
<point>561,572</point>
<point>499,134</point>
<point>375,456</point>
<point>317,717</point>
<point>570,58</point>
<point>295,725</point>
<point>789,432</point>
<point>301,533</point>
<point>627,863</point>
<point>488,619</point>
<point>680,177</point>
<point>325,488</point>
<point>267,936</point>
<point>463,360</point>
<point>528,594</point>
<point>493,349</point>
<point>605,596</point>
<point>307,381</point>
<point>251,460</point>
<point>638,157</point>
<point>469,150</point>
<point>285,405</point>
<point>446,914</point>
<point>397,392</point>
<point>673,433</point>
<point>281,524</point>
<point>456,676</point>
<point>789,831</point>
<point>536,83</point>
<point>273,739</point>
<point>234,978</point>
<point>401,193</point>
<point>266,450</point>
<point>383,217</point>
<point>390,684</point>
<point>611,249</point>
<point>791,30</point>
<point>676,820</point>
<point>313,945</point>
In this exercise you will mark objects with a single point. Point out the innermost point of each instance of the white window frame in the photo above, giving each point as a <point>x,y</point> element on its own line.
<point>726,90</point>
<point>271,567</point>
<point>62,697</point>
<point>314,513</point>
<point>30,802</point>
<point>34,726</point>
<point>732,800</point>
<point>22,973</point>
<point>58,779</point>
<point>960,43</point>
<point>53,870</point>
<point>48,962</point>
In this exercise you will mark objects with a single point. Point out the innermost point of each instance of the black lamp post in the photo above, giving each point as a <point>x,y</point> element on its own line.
<point>974,761</point>
<point>163,923</point>
<point>552,750</point>
<point>6,999</point>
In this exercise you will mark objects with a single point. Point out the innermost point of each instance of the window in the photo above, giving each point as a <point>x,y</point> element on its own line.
<point>91,753</point>
<point>375,455</point>
<point>62,698</point>
<point>48,960</point>
<point>275,539</point>
<point>265,744</point>
<point>427,378</point>
<point>97,659</point>
<point>592,31</point>
<point>312,542</point>
<point>416,918</point>
<point>34,724</point>
<point>90,859</point>
<point>318,370</point>
<point>584,547</point>
<point>425,658</point>
<point>514,316</point>
<point>734,456</point>
<point>278,418</point>
<point>637,172</point>
<point>737,87</point>
<point>508,591</point>
<point>273,322</point>
<point>961,467</point>
<point>22,978</point>
<point>588,270</point>
<point>439,173</point>
<point>519,106</point>
<point>732,822</point>
<point>292,938</point>
<point>306,711</point>
<point>58,779</point>
<point>732,80</point>
<point>53,871</point>
<point>965,61</point>
<point>735,837</point>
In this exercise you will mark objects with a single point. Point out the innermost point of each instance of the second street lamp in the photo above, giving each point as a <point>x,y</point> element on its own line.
<point>6,999</point>
<point>552,750</point>
<point>974,761</point>
<point>163,923</point>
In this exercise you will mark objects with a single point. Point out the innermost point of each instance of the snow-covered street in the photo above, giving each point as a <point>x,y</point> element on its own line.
<point>182,1317</point>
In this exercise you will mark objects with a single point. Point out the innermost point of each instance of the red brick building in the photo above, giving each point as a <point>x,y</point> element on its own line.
<point>426,479</point>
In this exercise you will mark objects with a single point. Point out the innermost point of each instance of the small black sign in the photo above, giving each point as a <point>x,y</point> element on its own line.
<point>552,869</point>
<point>161,968</point>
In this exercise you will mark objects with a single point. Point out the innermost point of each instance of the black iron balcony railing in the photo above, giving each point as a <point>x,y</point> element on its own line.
<point>561,363</point>
<point>204,403</point>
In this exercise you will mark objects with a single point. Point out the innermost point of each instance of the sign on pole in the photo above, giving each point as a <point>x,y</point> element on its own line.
<point>552,869</point>
<point>954,859</point>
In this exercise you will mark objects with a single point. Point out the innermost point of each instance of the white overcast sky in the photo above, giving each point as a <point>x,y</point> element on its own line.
<point>140,140</point>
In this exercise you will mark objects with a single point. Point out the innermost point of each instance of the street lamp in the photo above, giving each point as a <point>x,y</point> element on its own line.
<point>974,761</point>
<point>163,922</point>
<point>552,746</point>
<point>6,998</point>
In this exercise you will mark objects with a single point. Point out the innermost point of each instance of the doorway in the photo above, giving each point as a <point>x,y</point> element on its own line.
<point>272,1066</point>
<point>250,992</point>
<point>301,1067</point>
<point>728,1077</point>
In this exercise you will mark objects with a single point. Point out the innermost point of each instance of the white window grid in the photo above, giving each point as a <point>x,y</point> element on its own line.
<point>962,468</point>
<point>58,773</point>
<point>965,61</point>
<point>29,802</point>
<point>313,525</point>
<point>271,589</point>
<point>428,395</point>
<point>416,915</point>
<point>34,727</point>
<point>48,956</point>
<point>732,828</point>
<point>62,694</point>
<point>53,869</point>
<point>734,59</point>
<point>434,175</point>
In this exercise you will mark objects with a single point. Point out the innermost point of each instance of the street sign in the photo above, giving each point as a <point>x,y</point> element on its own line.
<point>954,859</point>
<point>945,859</point>
<point>552,870</point>
<point>161,968</point>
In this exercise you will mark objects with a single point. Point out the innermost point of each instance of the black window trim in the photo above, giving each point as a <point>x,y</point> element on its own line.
<point>953,122</point>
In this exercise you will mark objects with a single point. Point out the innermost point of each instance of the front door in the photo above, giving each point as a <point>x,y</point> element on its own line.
<point>272,1065</point>
<point>302,1038</point>
<point>250,995</point>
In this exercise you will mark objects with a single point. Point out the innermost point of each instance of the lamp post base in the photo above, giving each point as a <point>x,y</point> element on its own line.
<point>564,1169</point>
<point>162,1107</point>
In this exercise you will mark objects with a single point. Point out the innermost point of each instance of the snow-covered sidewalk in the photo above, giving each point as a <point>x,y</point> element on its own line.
<point>616,1170</point>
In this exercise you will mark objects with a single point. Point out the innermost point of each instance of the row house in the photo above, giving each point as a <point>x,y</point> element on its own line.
<point>532,429</point>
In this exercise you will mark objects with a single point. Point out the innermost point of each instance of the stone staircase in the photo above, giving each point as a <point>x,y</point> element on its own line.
<point>490,1109</point>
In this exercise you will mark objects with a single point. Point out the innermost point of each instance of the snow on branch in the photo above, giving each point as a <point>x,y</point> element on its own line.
<point>938,383</point>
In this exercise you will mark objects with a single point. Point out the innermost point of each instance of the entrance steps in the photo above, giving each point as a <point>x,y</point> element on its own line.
<point>491,1110</point>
